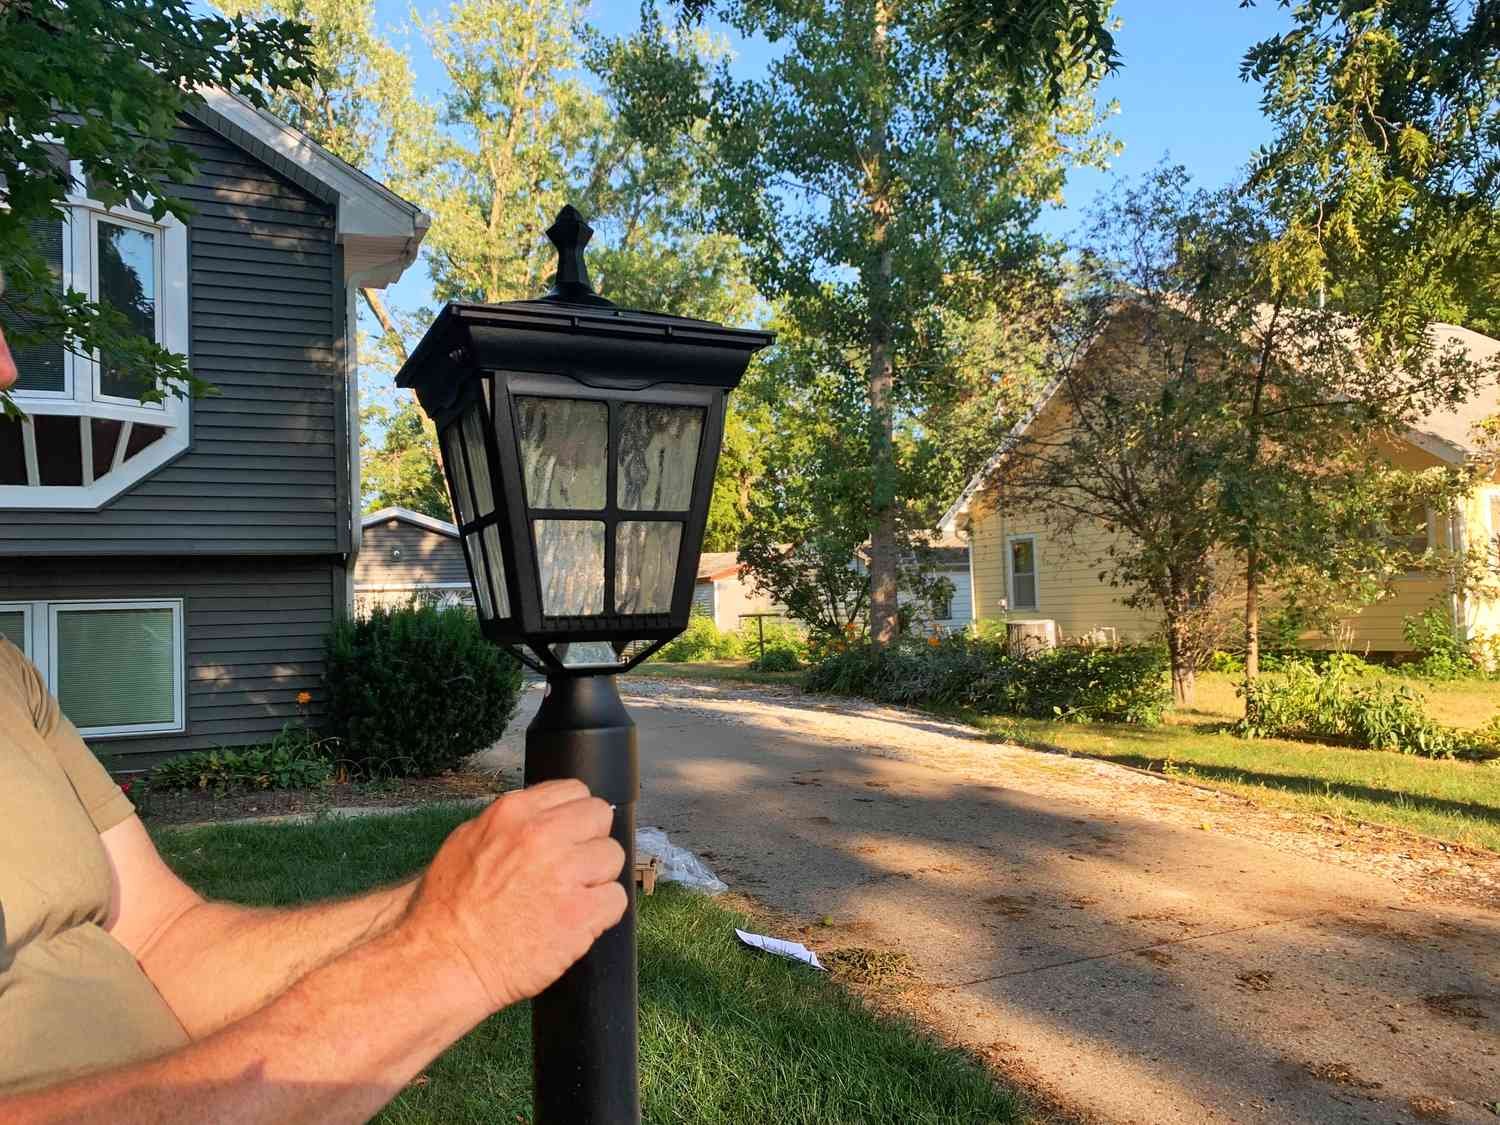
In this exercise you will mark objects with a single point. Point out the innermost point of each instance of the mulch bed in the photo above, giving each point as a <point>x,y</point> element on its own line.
<point>159,809</point>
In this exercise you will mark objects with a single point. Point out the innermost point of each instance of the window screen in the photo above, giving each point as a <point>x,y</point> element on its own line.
<point>13,627</point>
<point>1023,573</point>
<point>116,667</point>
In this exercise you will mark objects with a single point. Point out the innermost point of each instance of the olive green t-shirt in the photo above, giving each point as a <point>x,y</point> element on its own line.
<point>72,999</point>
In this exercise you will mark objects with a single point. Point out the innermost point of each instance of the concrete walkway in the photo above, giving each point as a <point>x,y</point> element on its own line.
<point>1111,939</point>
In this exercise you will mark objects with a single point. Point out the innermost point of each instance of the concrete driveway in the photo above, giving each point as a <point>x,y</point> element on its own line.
<point>1137,950</point>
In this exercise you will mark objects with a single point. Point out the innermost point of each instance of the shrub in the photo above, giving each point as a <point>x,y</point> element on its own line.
<point>1081,684</point>
<point>413,691</point>
<point>701,640</point>
<point>779,659</point>
<point>295,759</point>
<point>1346,701</point>
<point>1441,655</point>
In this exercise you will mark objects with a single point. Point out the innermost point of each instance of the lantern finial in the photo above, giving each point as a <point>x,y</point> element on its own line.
<point>570,234</point>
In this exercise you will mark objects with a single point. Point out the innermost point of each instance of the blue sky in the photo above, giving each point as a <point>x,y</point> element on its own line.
<point>1179,93</point>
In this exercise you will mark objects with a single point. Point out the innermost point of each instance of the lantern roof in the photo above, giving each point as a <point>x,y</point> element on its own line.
<point>573,331</point>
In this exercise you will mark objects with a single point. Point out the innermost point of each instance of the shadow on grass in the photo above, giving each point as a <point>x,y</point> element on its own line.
<point>1312,786</point>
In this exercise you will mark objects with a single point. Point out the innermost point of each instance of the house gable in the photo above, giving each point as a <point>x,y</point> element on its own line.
<point>269,465</point>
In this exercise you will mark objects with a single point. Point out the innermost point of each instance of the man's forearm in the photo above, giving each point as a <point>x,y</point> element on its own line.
<point>335,1047</point>
<point>217,962</point>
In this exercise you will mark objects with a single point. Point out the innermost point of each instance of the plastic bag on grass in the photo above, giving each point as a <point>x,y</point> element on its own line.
<point>677,865</point>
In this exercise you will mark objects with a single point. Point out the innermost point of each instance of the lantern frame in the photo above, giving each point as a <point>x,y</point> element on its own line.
<point>484,358</point>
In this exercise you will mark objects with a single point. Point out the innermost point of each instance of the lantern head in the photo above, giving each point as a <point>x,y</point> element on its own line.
<point>579,441</point>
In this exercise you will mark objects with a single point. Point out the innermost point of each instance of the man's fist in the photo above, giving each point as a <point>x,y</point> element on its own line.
<point>521,891</point>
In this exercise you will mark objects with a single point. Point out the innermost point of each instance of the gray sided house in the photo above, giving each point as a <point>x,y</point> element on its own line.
<point>173,570</point>
<point>408,556</point>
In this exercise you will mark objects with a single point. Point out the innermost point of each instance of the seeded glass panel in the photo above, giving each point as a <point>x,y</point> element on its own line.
<point>127,281</point>
<point>564,452</point>
<point>646,566</point>
<point>570,556</point>
<point>479,465</point>
<point>497,570</point>
<point>481,586</point>
<point>13,627</point>
<point>454,462</point>
<point>583,654</point>
<point>658,456</point>
<point>116,667</point>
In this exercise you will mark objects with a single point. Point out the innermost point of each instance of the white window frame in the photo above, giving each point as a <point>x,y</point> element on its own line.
<point>28,624</point>
<point>41,619</point>
<point>1010,571</point>
<point>81,397</point>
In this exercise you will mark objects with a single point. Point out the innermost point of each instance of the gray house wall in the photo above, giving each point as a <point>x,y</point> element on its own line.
<point>251,526</point>
<point>253,632</point>
<point>426,556</point>
<point>267,472</point>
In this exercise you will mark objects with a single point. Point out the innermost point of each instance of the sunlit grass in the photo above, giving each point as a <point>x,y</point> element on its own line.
<point>728,1036</point>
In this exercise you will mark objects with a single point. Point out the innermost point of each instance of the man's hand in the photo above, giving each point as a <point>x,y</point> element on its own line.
<point>521,891</point>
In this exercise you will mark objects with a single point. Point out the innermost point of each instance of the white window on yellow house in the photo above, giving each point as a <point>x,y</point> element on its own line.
<point>1021,564</point>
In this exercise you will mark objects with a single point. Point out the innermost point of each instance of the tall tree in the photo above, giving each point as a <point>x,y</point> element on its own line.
<point>101,82</point>
<point>517,131</point>
<point>882,180</point>
<point>399,468</point>
<point>1385,163</point>
<point>358,95</point>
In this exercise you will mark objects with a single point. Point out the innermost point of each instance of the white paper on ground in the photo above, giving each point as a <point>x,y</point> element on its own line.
<point>794,950</point>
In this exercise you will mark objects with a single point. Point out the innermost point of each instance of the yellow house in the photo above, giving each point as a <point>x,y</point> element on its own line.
<point>1021,569</point>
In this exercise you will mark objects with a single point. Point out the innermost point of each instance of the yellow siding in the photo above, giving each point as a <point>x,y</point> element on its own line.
<point>1068,587</point>
<point>1069,590</point>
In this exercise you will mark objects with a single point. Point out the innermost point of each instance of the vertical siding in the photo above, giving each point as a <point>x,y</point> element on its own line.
<point>267,470</point>
<point>254,631</point>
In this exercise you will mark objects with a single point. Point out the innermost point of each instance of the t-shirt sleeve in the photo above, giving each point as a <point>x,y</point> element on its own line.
<point>101,798</point>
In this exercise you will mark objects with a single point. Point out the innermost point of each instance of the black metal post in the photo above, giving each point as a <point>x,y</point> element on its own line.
<point>583,1028</point>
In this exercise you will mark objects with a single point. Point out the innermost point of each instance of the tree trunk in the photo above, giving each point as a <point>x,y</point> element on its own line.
<point>387,327</point>
<point>1252,621</point>
<point>1180,659</point>
<point>884,534</point>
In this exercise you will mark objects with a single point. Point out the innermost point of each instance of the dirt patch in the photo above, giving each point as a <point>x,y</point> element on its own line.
<point>1156,956</point>
<point>1339,1074</point>
<point>159,809</point>
<point>863,965</point>
<point>1458,1005</point>
<point>1428,1109</point>
<point>1257,980</point>
<point>1009,905</point>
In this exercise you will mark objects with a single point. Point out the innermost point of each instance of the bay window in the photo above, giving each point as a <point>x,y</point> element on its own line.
<point>116,667</point>
<point>87,436</point>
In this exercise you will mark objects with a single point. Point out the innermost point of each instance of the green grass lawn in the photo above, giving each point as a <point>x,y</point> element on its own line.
<point>1458,802</point>
<point>727,1035</point>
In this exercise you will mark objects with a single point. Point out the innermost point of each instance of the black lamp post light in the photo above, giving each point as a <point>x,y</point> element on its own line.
<point>579,441</point>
